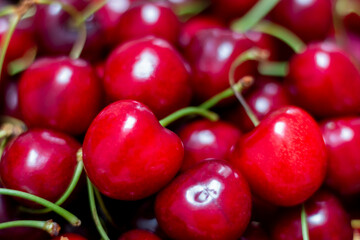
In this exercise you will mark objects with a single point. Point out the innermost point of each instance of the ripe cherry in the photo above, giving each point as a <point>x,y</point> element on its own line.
<point>128,155</point>
<point>138,234</point>
<point>284,158</point>
<point>209,201</point>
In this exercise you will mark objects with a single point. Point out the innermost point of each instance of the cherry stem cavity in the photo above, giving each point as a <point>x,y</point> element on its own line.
<point>254,15</point>
<point>304,226</point>
<point>49,226</point>
<point>275,69</point>
<point>71,218</point>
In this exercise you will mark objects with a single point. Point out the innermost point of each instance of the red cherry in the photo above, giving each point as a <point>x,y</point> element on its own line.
<point>151,71</point>
<point>284,158</point>
<point>128,155</point>
<point>209,201</point>
<point>310,20</point>
<point>40,162</point>
<point>69,236</point>
<point>326,219</point>
<point>60,93</point>
<point>204,139</point>
<point>148,18</point>
<point>342,139</point>
<point>138,234</point>
<point>324,81</point>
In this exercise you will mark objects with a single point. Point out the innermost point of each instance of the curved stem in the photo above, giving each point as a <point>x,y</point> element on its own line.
<point>103,207</point>
<point>188,111</point>
<point>304,226</point>
<point>90,10</point>
<point>7,10</point>
<point>191,9</point>
<point>18,65</point>
<point>49,226</point>
<point>276,69</point>
<point>59,210</point>
<point>254,15</point>
<point>94,213</point>
<point>281,33</point>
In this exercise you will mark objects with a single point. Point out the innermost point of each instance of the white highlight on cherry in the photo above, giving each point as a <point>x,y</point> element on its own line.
<point>322,59</point>
<point>150,13</point>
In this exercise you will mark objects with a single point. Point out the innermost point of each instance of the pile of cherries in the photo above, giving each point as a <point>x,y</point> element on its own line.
<point>192,119</point>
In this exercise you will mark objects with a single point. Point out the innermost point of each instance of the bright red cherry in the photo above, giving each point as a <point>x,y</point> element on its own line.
<point>69,236</point>
<point>309,19</point>
<point>138,234</point>
<point>326,219</point>
<point>148,18</point>
<point>232,8</point>
<point>40,162</point>
<point>204,139</point>
<point>284,158</point>
<point>342,139</point>
<point>60,93</point>
<point>209,201</point>
<point>151,71</point>
<point>324,81</point>
<point>128,155</point>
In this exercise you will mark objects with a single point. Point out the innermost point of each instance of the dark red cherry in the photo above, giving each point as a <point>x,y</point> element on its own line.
<point>284,158</point>
<point>40,162</point>
<point>209,201</point>
<point>128,155</point>
<point>342,139</point>
<point>229,9</point>
<point>151,71</point>
<point>138,234</point>
<point>309,19</point>
<point>326,219</point>
<point>60,93</point>
<point>148,18</point>
<point>204,139</point>
<point>69,236</point>
<point>254,232</point>
<point>211,53</point>
<point>324,81</point>
<point>10,100</point>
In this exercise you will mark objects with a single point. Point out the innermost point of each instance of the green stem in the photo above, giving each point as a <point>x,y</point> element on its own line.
<point>188,111</point>
<point>355,223</point>
<point>276,69</point>
<point>13,21</point>
<point>304,226</point>
<point>103,207</point>
<point>7,10</point>
<point>94,213</point>
<point>20,64</point>
<point>254,15</point>
<point>281,33</point>
<point>49,226</point>
<point>59,210</point>
<point>191,9</point>
<point>90,10</point>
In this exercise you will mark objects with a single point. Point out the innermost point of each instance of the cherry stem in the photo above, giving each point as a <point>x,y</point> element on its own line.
<point>94,213</point>
<point>254,15</point>
<point>304,226</point>
<point>250,54</point>
<point>191,9</point>
<point>69,190</point>
<point>281,33</point>
<point>345,7</point>
<point>188,111</point>
<point>103,207</point>
<point>275,69</point>
<point>7,10</point>
<point>340,32</point>
<point>20,64</point>
<point>49,226</point>
<point>71,218</point>
<point>90,10</point>
<point>355,223</point>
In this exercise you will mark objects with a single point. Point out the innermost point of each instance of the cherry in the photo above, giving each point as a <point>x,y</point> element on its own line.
<point>229,9</point>
<point>127,154</point>
<point>140,70</point>
<point>211,53</point>
<point>342,138</point>
<point>326,219</point>
<point>69,236</point>
<point>209,201</point>
<point>324,81</point>
<point>310,20</point>
<point>138,234</point>
<point>204,140</point>
<point>284,158</point>
<point>60,93</point>
<point>40,162</point>
<point>148,18</point>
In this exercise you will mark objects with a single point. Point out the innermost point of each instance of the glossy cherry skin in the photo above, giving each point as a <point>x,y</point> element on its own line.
<point>148,18</point>
<point>138,234</point>
<point>60,93</point>
<point>209,201</point>
<point>326,219</point>
<point>151,71</point>
<point>310,20</point>
<point>204,140</point>
<point>40,162</point>
<point>229,9</point>
<point>211,53</point>
<point>324,81</point>
<point>284,158</point>
<point>128,155</point>
<point>342,138</point>
<point>69,236</point>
